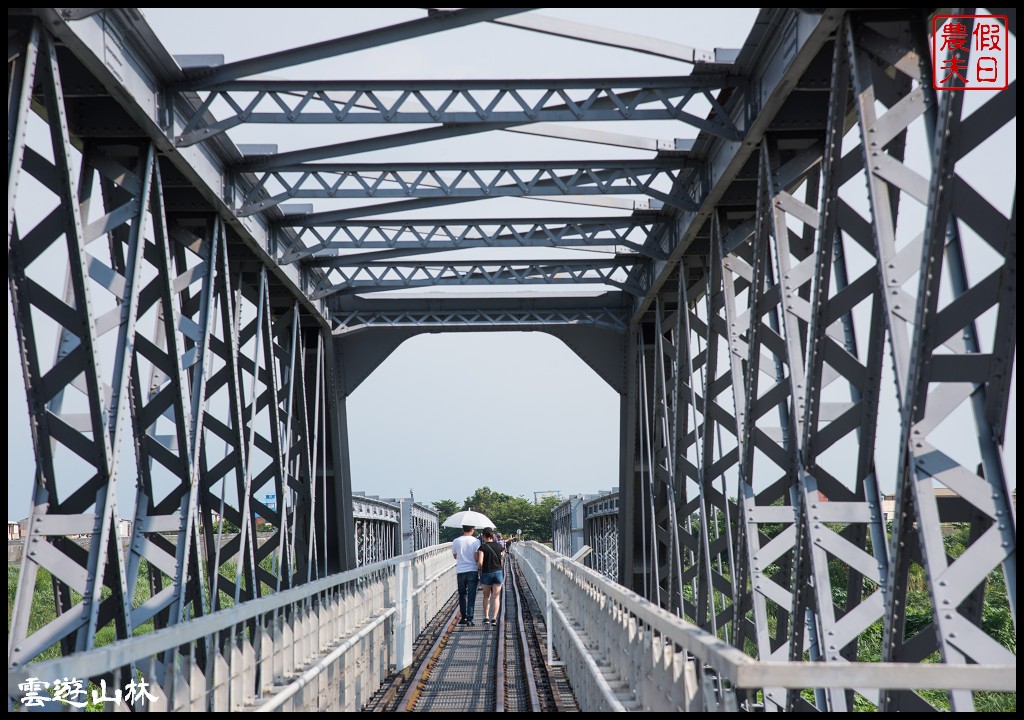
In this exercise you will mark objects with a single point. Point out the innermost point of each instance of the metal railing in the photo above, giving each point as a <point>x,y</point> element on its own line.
<point>326,645</point>
<point>622,652</point>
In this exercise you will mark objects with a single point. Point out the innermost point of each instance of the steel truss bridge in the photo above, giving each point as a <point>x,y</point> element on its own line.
<point>818,249</point>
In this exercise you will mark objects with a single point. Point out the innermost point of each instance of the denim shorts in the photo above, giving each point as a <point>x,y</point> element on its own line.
<point>492,578</point>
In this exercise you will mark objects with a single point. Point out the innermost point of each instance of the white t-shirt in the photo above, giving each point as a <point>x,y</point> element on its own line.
<point>464,548</point>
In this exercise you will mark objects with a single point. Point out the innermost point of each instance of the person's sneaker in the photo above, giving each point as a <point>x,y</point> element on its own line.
<point>471,623</point>
<point>463,621</point>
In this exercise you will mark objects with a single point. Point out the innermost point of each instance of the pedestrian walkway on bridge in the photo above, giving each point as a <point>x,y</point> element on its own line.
<point>482,667</point>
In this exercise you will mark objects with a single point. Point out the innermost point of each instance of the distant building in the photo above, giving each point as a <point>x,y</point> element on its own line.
<point>13,530</point>
<point>941,494</point>
<point>541,495</point>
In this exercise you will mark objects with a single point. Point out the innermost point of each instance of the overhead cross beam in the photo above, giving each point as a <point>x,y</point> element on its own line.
<point>465,181</point>
<point>608,37</point>
<point>350,321</point>
<point>400,275</point>
<point>407,237</point>
<point>444,132</point>
<point>437,21</point>
<point>460,102</point>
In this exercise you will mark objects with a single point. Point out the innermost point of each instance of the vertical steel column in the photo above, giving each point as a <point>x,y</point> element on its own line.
<point>629,525</point>
<point>265,430</point>
<point>309,523</point>
<point>714,593</point>
<point>770,522</point>
<point>169,410</point>
<point>21,73</point>
<point>223,471</point>
<point>719,448</point>
<point>341,550</point>
<point>839,500</point>
<point>650,557</point>
<point>249,408</point>
<point>668,490</point>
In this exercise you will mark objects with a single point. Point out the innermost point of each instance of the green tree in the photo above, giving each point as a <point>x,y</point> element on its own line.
<point>509,513</point>
<point>539,527</point>
<point>485,501</point>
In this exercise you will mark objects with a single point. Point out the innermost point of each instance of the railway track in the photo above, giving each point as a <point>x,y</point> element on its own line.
<point>482,668</point>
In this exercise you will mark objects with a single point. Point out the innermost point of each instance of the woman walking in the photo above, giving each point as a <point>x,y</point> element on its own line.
<point>488,559</point>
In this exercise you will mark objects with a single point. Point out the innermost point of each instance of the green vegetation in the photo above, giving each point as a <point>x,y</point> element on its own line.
<point>995,619</point>
<point>509,514</point>
<point>44,609</point>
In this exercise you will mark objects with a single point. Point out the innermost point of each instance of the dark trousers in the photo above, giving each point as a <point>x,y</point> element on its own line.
<point>467,593</point>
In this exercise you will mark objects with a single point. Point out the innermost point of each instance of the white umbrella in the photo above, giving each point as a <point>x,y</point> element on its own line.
<point>468,517</point>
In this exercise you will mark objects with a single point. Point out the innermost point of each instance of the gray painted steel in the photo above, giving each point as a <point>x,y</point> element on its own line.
<point>757,284</point>
<point>387,528</point>
<point>601,532</point>
<point>623,653</point>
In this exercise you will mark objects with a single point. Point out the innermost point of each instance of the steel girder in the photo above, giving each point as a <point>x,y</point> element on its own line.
<point>377,530</point>
<point>753,504</point>
<point>436,21</point>
<point>378,240</point>
<point>510,318</point>
<point>601,533</point>
<point>561,527</point>
<point>493,104</point>
<point>423,524</point>
<point>158,325</point>
<point>380,276</point>
<point>453,182</point>
<point>757,346</point>
<point>216,100</point>
<point>211,100</point>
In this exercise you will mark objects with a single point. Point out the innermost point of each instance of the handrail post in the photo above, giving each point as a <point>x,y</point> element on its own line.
<point>548,560</point>
<point>403,637</point>
<point>548,601</point>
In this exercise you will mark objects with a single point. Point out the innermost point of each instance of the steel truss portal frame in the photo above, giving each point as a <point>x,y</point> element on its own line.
<point>173,310</point>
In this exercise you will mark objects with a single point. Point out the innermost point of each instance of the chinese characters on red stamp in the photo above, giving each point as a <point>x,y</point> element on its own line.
<point>970,52</point>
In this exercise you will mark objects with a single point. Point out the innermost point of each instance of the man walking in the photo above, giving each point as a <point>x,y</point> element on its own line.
<point>464,551</point>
